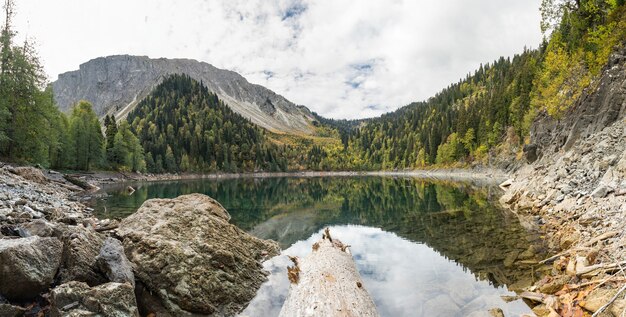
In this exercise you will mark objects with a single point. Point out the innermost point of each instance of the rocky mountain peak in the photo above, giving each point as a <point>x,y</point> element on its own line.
<point>115,84</point>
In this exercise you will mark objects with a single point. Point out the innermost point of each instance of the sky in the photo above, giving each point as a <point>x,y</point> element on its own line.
<point>340,58</point>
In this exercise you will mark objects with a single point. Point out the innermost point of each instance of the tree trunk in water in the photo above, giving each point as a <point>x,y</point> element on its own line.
<point>82,184</point>
<point>327,283</point>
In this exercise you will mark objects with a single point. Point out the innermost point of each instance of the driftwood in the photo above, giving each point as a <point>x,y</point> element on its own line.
<point>533,296</point>
<point>107,228</point>
<point>327,283</point>
<point>601,237</point>
<point>556,256</point>
<point>80,183</point>
<point>592,270</point>
<point>70,187</point>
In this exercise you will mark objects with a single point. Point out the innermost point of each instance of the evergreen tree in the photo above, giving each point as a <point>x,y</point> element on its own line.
<point>126,153</point>
<point>86,136</point>
<point>27,112</point>
<point>111,130</point>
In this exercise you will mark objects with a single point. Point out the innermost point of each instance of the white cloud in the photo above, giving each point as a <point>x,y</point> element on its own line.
<point>343,59</point>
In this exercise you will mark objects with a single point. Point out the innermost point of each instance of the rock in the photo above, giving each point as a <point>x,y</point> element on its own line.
<point>496,312</point>
<point>528,253</point>
<point>187,253</point>
<point>8,310</point>
<point>28,266</point>
<point>509,197</point>
<point>510,258</point>
<point>554,285</point>
<point>531,153</point>
<point>600,192</point>
<point>149,303</point>
<point>39,227</point>
<point>541,310</point>
<point>78,299</point>
<point>597,298</point>
<point>113,262</point>
<point>618,307</point>
<point>506,184</point>
<point>569,239</point>
<point>81,246</point>
<point>30,173</point>
<point>130,190</point>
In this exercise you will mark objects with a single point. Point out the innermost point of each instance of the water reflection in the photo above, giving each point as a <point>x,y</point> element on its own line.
<point>404,278</point>
<point>449,224</point>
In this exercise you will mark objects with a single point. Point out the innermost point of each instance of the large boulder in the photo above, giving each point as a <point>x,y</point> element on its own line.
<point>113,262</point>
<point>78,299</point>
<point>28,266</point>
<point>187,253</point>
<point>81,247</point>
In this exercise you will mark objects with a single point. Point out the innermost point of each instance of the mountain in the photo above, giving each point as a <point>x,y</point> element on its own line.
<point>116,84</point>
<point>182,126</point>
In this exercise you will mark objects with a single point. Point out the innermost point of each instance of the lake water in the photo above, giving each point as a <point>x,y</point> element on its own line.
<point>423,248</point>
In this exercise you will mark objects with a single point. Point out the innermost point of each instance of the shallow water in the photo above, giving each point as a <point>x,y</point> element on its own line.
<point>422,248</point>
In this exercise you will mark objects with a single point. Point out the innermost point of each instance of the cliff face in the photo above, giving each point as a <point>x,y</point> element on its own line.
<point>600,106</point>
<point>115,84</point>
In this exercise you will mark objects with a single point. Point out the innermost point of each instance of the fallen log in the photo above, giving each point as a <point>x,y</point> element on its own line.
<point>80,183</point>
<point>327,283</point>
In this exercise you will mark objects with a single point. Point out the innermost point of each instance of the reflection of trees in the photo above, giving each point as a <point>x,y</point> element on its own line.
<point>454,219</point>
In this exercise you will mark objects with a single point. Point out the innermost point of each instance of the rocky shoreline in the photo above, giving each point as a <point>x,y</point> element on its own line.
<point>574,190</point>
<point>56,259</point>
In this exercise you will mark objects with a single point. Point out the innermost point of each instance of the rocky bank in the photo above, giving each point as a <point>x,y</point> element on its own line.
<point>574,189</point>
<point>178,257</point>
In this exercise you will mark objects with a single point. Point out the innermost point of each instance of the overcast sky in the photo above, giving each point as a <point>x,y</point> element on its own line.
<point>342,59</point>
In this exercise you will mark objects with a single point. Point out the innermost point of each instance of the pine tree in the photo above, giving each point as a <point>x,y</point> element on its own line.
<point>111,130</point>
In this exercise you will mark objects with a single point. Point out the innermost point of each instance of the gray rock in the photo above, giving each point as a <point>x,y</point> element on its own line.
<point>39,227</point>
<point>113,262</point>
<point>187,253</point>
<point>81,246</point>
<point>28,266</point>
<point>78,299</point>
<point>111,83</point>
<point>600,192</point>
<point>531,152</point>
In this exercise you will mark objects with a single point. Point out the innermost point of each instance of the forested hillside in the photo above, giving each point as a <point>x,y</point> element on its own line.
<point>472,116</point>
<point>492,109</point>
<point>184,127</point>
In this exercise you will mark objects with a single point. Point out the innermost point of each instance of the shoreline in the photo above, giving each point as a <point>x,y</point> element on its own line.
<point>475,176</point>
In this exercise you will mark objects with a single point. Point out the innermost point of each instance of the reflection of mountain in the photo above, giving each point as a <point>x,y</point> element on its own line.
<point>454,219</point>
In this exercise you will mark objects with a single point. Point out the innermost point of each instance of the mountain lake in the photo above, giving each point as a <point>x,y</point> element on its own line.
<point>422,247</point>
